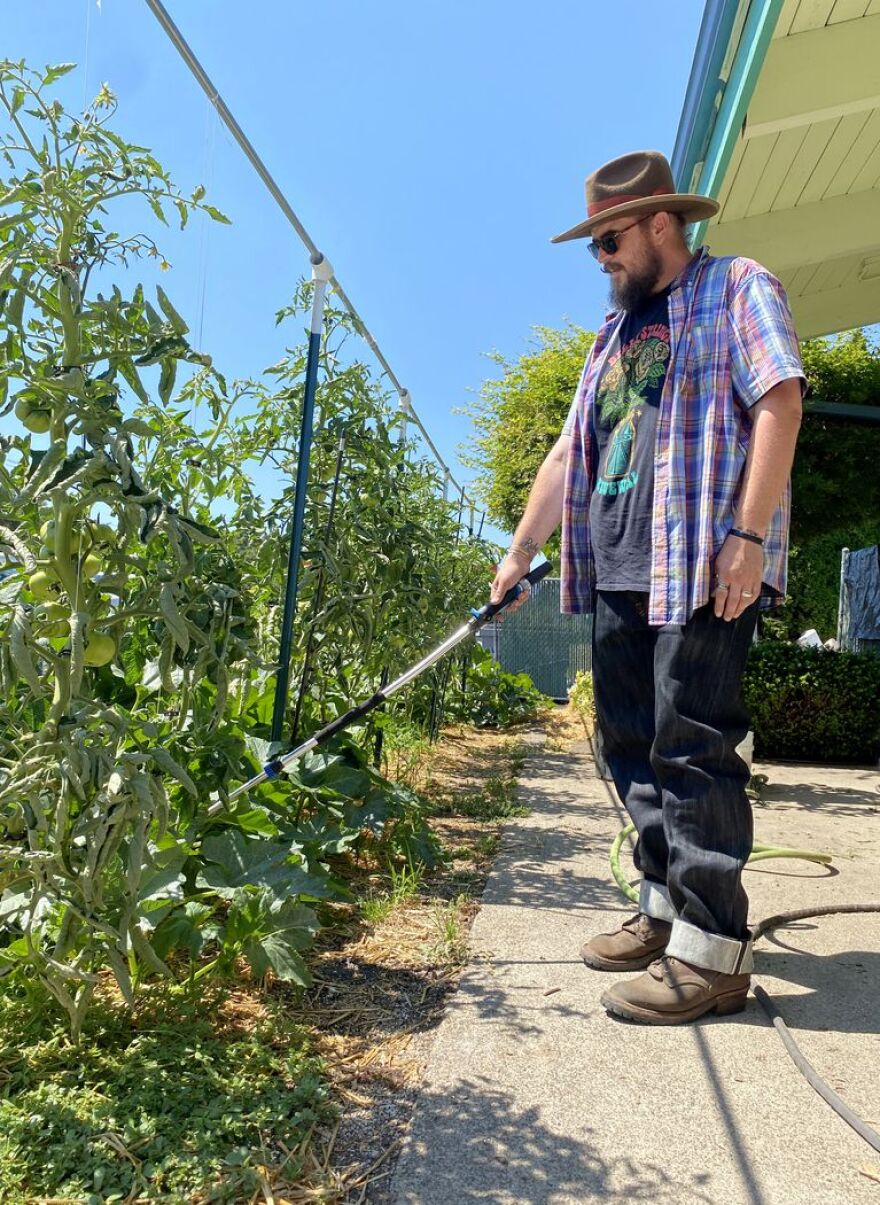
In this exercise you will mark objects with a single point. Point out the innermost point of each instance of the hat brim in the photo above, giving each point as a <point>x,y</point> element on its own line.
<point>694,207</point>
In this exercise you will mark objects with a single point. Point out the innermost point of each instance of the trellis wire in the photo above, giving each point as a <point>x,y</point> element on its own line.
<point>259,166</point>
<point>326,276</point>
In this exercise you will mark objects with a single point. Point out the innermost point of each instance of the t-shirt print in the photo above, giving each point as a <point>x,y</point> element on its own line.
<point>633,375</point>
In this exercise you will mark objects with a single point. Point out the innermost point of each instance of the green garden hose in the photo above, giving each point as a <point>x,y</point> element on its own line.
<point>759,852</point>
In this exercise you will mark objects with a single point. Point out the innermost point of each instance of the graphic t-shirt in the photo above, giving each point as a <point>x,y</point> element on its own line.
<point>627,400</point>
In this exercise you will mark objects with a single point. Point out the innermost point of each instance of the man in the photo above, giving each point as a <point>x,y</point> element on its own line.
<point>671,480</point>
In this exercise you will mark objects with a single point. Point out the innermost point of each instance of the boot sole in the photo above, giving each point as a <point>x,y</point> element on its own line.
<point>598,963</point>
<point>722,1005</point>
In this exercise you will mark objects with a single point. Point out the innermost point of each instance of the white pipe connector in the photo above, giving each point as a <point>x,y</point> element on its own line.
<point>322,269</point>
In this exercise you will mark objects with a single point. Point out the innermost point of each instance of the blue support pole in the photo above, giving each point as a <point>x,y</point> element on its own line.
<point>322,273</point>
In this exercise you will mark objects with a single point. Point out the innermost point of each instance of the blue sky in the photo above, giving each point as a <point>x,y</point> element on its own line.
<point>431,149</point>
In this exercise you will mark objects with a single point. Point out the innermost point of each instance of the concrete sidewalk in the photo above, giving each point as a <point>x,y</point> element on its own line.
<point>534,1095</point>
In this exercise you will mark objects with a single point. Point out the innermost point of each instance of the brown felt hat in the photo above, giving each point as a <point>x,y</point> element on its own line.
<point>638,183</point>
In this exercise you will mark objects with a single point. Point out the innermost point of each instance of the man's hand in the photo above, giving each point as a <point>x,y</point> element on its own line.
<point>511,570</point>
<point>736,576</point>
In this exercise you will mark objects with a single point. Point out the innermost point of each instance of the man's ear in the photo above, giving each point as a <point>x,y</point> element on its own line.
<point>662,224</point>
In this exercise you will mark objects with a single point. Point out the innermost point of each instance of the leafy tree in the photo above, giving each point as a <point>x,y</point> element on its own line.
<point>520,416</point>
<point>835,480</point>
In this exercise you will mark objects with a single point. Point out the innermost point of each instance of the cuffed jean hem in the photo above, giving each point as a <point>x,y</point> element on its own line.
<point>654,900</point>
<point>709,950</point>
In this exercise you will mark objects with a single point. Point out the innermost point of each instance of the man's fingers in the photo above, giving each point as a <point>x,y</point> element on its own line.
<point>518,602</point>
<point>496,597</point>
<point>720,592</point>
<point>731,608</point>
<point>732,599</point>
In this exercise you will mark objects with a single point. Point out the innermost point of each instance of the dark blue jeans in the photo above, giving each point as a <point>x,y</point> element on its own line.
<point>670,709</point>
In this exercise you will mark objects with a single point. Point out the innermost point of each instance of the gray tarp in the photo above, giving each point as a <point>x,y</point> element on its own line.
<point>862,578</point>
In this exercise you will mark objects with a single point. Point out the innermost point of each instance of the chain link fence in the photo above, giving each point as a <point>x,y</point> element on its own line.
<point>539,641</point>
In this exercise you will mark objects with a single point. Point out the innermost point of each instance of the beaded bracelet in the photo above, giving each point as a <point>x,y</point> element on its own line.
<point>746,535</point>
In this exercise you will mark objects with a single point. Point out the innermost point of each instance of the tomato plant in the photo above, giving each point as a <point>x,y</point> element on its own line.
<point>89,603</point>
<point>141,573</point>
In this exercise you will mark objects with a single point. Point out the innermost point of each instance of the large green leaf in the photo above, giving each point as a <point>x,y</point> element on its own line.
<point>332,771</point>
<point>183,930</point>
<point>376,809</point>
<point>235,862</point>
<point>163,882</point>
<point>271,934</point>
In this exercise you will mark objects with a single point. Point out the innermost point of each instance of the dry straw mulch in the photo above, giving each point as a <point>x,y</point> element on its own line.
<point>380,989</point>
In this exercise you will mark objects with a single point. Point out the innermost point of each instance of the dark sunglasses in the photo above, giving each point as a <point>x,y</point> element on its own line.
<point>610,242</point>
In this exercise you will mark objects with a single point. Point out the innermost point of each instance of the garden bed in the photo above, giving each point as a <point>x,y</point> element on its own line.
<point>278,1094</point>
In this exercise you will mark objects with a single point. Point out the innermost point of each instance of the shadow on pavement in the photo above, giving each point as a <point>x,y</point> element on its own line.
<point>834,801</point>
<point>842,987</point>
<point>496,1153</point>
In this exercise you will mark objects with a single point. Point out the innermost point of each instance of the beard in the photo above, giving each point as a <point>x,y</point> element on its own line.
<point>631,288</point>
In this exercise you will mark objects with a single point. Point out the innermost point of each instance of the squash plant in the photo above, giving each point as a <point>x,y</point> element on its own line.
<point>118,610</point>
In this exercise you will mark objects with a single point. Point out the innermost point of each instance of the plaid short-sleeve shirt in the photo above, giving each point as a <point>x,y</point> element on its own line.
<point>732,339</point>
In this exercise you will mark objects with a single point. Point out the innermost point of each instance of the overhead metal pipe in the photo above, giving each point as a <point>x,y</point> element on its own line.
<point>185,50</point>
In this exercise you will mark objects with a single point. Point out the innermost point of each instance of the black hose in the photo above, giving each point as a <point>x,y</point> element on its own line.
<point>774,922</point>
<point>812,1076</point>
<point>787,918</point>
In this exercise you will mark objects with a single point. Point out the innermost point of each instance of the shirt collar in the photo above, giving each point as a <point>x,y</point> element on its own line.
<point>684,279</point>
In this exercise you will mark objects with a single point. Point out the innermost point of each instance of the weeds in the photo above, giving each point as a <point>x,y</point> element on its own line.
<point>404,753</point>
<point>495,800</point>
<point>452,945</point>
<point>487,846</point>
<point>186,1099</point>
<point>404,881</point>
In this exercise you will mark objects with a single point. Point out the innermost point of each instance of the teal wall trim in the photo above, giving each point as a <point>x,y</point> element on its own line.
<point>757,32</point>
<point>705,89</point>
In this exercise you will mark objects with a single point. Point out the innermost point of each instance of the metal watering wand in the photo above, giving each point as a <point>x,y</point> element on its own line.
<point>479,617</point>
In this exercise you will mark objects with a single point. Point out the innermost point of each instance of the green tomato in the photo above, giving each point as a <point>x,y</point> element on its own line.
<point>44,586</point>
<point>34,419</point>
<point>90,565</point>
<point>78,541</point>
<point>56,619</point>
<point>100,649</point>
<point>102,533</point>
<point>57,628</point>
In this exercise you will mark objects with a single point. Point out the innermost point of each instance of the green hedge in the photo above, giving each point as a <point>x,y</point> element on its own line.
<point>813,705</point>
<point>814,580</point>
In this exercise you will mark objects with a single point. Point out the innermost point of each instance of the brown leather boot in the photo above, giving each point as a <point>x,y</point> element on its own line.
<point>632,947</point>
<point>672,992</point>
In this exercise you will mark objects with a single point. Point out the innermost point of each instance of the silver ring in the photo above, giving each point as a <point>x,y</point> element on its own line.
<point>720,585</point>
<point>747,594</point>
